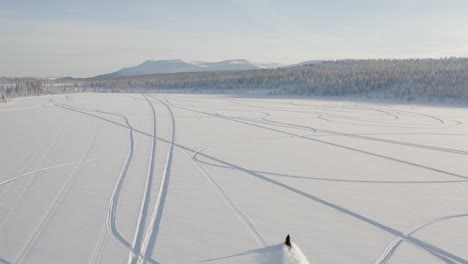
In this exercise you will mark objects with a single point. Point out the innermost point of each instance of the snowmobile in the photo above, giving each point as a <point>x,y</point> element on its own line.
<point>287,242</point>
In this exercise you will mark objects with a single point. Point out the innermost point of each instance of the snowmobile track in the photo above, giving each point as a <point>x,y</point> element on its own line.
<point>138,238</point>
<point>391,248</point>
<point>152,232</point>
<point>337,145</point>
<point>245,220</point>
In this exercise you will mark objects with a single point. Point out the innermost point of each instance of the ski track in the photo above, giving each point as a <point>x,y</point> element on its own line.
<point>24,108</point>
<point>31,157</point>
<point>43,169</point>
<point>244,219</point>
<point>96,256</point>
<point>152,233</point>
<point>12,211</point>
<point>138,238</point>
<point>51,211</point>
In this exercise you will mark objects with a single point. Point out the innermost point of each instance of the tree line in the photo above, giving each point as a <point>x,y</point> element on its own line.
<point>407,79</point>
<point>26,86</point>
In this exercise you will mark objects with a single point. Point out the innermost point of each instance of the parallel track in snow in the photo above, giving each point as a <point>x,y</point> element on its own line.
<point>98,251</point>
<point>13,210</point>
<point>138,238</point>
<point>153,230</point>
<point>52,209</point>
<point>433,250</point>
<point>110,225</point>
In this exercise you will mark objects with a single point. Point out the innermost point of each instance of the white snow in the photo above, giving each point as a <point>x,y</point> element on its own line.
<point>276,254</point>
<point>226,178</point>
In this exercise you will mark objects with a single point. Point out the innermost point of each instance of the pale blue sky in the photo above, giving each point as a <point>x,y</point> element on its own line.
<point>89,37</point>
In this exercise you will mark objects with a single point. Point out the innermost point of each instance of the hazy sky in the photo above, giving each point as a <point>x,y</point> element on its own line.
<point>88,37</point>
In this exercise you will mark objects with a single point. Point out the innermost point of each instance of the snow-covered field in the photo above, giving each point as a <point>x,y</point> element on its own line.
<point>226,178</point>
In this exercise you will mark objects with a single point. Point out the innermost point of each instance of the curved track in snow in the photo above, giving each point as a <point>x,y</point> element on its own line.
<point>138,238</point>
<point>152,232</point>
<point>245,220</point>
<point>133,208</point>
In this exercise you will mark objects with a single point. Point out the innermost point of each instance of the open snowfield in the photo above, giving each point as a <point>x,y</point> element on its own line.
<point>171,178</point>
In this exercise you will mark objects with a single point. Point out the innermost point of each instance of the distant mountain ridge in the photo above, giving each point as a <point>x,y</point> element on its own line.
<point>177,65</point>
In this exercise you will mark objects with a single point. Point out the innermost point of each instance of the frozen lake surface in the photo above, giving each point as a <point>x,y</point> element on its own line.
<point>173,178</point>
